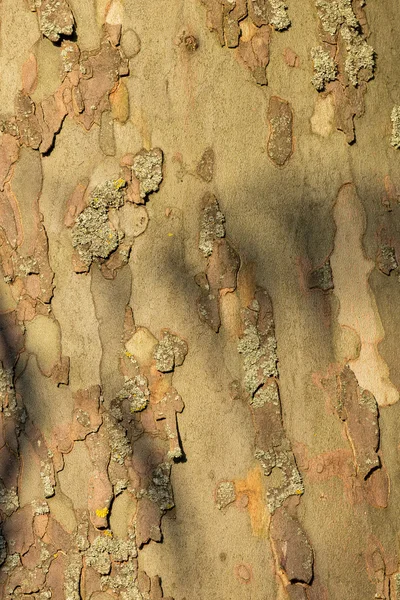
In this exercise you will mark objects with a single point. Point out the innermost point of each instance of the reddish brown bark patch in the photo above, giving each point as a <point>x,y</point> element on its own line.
<point>86,418</point>
<point>205,167</point>
<point>293,550</point>
<point>254,52</point>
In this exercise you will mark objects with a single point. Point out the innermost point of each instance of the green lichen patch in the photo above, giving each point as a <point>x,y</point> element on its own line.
<point>93,235</point>
<point>70,55</point>
<point>269,12</point>
<point>260,363</point>
<point>397,585</point>
<point>40,507</point>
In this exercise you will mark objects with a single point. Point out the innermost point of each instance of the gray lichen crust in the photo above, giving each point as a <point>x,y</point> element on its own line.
<point>8,400</point>
<point>334,14</point>
<point>260,363</point>
<point>259,358</point>
<point>279,17</point>
<point>325,68</point>
<point>160,489</point>
<point>109,194</point>
<point>119,444</point>
<point>360,57</point>
<point>281,458</point>
<point>72,577</point>
<point>212,226</point>
<point>267,394</point>
<point>225,494</point>
<point>3,549</point>
<point>46,472</point>
<point>115,561</point>
<point>9,501</point>
<point>55,18</point>
<point>386,259</point>
<point>397,584</point>
<point>336,17</point>
<point>321,277</point>
<point>105,549</point>
<point>137,392</point>
<point>395,118</point>
<point>170,352</point>
<point>93,235</point>
<point>147,168</point>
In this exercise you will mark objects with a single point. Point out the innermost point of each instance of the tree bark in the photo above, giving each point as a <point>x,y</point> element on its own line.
<point>199,242</point>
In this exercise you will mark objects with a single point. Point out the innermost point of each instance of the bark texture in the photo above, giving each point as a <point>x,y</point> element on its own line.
<point>199,243</point>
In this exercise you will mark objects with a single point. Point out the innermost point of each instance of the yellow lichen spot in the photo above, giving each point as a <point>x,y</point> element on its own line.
<point>170,234</point>
<point>136,409</point>
<point>128,354</point>
<point>55,555</point>
<point>299,492</point>
<point>102,512</point>
<point>108,533</point>
<point>119,183</point>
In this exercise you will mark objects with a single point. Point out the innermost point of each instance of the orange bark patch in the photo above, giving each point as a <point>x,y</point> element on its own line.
<point>119,100</point>
<point>250,494</point>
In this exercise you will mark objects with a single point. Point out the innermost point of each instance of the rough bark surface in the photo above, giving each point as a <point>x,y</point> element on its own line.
<point>199,245</point>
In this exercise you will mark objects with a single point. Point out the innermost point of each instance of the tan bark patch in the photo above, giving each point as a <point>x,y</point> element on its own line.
<point>358,310</point>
